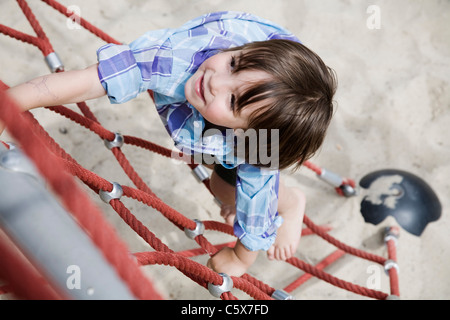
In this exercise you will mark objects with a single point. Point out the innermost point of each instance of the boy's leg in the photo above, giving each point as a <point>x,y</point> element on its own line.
<point>232,261</point>
<point>224,191</point>
<point>291,207</point>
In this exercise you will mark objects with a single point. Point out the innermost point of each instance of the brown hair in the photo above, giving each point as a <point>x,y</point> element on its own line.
<point>298,100</point>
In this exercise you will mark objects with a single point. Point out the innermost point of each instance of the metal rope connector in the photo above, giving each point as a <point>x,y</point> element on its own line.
<point>338,182</point>
<point>116,143</point>
<point>11,145</point>
<point>348,190</point>
<point>199,229</point>
<point>13,159</point>
<point>281,295</point>
<point>54,63</point>
<point>391,233</point>
<point>226,286</point>
<point>389,264</point>
<point>200,173</point>
<point>115,193</point>
<point>331,178</point>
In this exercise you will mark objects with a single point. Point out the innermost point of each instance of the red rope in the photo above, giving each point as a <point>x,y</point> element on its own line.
<point>336,281</point>
<point>184,264</point>
<point>140,229</point>
<point>96,183</point>
<point>85,122</point>
<point>47,47</point>
<point>320,266</point>
<point>341,245</point>
<point>88,26</point>
<point>393,272</point>
<point>74,199</point>
<point>40,41</point>
<point>200,251</point>
<point>106,238</point>
<point>92,179</point>
<point>393,279</point>
<point>313,167</point>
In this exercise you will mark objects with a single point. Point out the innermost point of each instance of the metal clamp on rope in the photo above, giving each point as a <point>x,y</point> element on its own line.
<point>281,295</point>
<point>11,145</point>
<point>199,229</point>
<point>115,193</point>
<point>116,143</point>
<point>389,264</point>
<point>337,181</point>
<point>14,160</point>
<point>53,62</point>
<point>391,233</point>
<point>331,178</point>
<point>226,286</point>
<point>348,190</point>
<point>201,173</point>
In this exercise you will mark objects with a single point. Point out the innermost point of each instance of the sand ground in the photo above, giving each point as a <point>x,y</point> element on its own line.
<point>393,111</point>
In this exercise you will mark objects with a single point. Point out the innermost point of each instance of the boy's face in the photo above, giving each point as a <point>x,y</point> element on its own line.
<point>213,89</point>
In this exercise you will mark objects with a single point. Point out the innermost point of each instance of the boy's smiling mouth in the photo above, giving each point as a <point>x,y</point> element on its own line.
<point>199,88</point>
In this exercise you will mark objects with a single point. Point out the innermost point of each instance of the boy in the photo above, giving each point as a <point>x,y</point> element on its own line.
<point>231,72</point>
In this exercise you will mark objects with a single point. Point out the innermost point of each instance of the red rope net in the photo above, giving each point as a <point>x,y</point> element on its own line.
<point>58,167</point>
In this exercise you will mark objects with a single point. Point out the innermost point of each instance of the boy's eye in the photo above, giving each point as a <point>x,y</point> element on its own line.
<point>232,102</point>
<point>233,97</point>
<point>232,62</point>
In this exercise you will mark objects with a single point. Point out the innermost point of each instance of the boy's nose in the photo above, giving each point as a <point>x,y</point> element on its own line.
<point>219,83</point>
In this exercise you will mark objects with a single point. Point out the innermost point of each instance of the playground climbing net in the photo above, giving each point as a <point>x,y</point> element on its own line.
<point>58,168</point>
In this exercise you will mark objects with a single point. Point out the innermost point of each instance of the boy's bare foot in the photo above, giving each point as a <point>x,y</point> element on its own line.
<point>226,261</point>
<point>233,261</point>
<point>289,233</point>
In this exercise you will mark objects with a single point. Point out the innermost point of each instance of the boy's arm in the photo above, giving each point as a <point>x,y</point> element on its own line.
<point>58,88</point>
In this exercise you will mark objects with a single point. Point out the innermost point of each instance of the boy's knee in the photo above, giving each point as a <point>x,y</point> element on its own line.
<point>214,183</point>
<point>291,197</point>
<point>298,196</point>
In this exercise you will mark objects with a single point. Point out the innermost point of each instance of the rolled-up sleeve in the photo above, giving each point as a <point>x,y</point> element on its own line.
<point>119,73</point>
<point>257,218</point>
<point>127,70</point>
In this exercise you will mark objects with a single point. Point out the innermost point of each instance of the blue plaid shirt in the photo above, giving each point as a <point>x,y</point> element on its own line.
<point>162,61</point>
